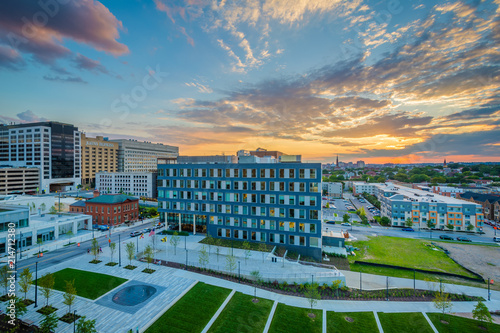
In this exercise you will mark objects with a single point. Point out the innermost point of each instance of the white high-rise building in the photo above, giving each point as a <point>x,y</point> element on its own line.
<point>137,156</point>
<point>140,184</point>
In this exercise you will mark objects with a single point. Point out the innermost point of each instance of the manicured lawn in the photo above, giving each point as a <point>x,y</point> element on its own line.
<point>411,253</point>
<point>242,315</point>
<point>460,324</point>
<point>289,319</point>
<point>411,322</point>
<point>363,322</point>
<point>193,311</point>
<point>88,284</point>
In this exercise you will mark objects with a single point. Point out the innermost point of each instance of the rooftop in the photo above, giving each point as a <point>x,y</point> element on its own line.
<point>79,203</point>
<point>112,198</point>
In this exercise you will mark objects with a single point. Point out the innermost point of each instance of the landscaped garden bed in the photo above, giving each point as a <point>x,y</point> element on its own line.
<point>352,322</point>
<point>446,323</point>
<point>130,267</point>
<point>20,326</point>
<point>292,319</point>
<point>4,298</point>
<point>111,264</point>
<point>46,310</point>
<point>410,322</point>
<point>328,292</point>
<point>95,261</point>
<point>28,302</point>
<point>69,318</point>
<point>148,270</point>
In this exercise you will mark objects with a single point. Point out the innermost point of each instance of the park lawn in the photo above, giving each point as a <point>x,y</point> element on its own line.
<point>289,319</point>
<point>406,252</point>
<point>460,324</point>
<point>87,284</point>
<point>364,322</point>
<point>242,315</point>
<point>409,322</point>
<point>193,311</point>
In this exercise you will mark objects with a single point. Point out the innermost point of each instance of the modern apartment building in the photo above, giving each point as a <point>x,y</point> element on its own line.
<point>332,189</point>
<point>448,191</point>
<point>401,203</point>
<point>19,180</point>
<point>52,147</point>
<point>98,154</point>
<point>360,187</point>
<point>140,184</point>
<point>487,202</point>
<point>136,156</point>
<point>276,203</point>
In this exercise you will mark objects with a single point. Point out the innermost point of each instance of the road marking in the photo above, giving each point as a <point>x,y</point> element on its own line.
<point>33,264</point>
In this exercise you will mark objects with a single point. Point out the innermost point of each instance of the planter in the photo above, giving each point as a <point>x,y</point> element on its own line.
<point>111,264</point>
<point>69,318</point>
<point>130,267</point>
<point>46,310</point>
<point>148,270</point>
<point>95,261</point>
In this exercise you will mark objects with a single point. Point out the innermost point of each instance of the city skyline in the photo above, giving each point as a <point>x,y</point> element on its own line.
<point>383,82</point>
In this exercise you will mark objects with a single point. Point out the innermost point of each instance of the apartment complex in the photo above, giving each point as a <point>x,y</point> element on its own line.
<point>52,147</point>
<point>98,154</point>
<point>140,184</point>
<point>255,199</point>
<point>136,156</point>
<point>19,180</point>
<point>448,191</point>
<point>401,203</point>
<point>487,202</point>
<point>332,189</point>
<point>361,187</point>
<point>112,209</point>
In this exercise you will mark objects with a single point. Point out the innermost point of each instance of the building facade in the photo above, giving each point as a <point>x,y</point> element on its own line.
<point>487,202</point>
<point>52,147</point>
<point>273,203</point>
<point>140,184</point>
<point>332,189</point>
<point>98,154</point>
<point>360,187</point>
<point>136,156</point>
<point>400,204</point>
<point>112,209</point>
<point>19,180</point>
<point>447,191</point>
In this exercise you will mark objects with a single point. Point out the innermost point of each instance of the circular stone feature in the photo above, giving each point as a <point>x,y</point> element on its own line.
<point>134,295</point>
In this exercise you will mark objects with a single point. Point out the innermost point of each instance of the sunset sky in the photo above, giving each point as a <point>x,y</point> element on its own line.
<point>381,81</point>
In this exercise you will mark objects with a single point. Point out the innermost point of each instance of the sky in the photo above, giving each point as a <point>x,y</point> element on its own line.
<point>379,81</point>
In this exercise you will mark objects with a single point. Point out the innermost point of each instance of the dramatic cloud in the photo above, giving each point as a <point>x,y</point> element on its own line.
<point>10,58</point>
<point>23,117</point>
<point>71,79</point>
<point>82,62</point>
<point>39,28</point>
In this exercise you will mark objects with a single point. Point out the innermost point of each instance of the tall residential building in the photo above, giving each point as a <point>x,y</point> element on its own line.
<point>51,146</point>
<point>277,203</point>
<point>19,180</point>
<point>98,154</point>
<point>401,203</point>
<point>360,164</point>
<point>140,184</point>
<point>332,189</point>
<point>137,156</point>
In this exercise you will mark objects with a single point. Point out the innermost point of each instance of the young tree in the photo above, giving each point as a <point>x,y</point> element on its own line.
<point>470,227</point>
<point>361,211</point>
<point>94,248</point>
<point>86,326</point>
<point>336,286</point>
<point>327,205</point>
<point>256,280</point>
<point>69,294</point>
<point>49,323</point>
<point>130,249</point>
<point>408,223</point>
<point>248,253</point>
<point>450,226</point>
<point>112,249</point>
<point>70,234</point>
<point>203,256</point>
<point>148,254</point>
<point>430,224</point>
<point>20,307</point>
<point>346,218</point>
<point>25,281</point>
<point>217,244</point>
<point>210,241</point>
<point>312,294</point>
<point>52,210</point>
<point>4,275</point>
<point>230,261</point>
<point>385,221</point>
<point>263,250</point>
<point>482,313</point>
<point>43,206</point>
<point>442,301</point>
<point>174,241</point>
<point>46,283</point>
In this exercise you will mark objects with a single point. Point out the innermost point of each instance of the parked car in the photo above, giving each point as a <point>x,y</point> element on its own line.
<point>407,229</point>
<point>135,234</point>
<point>496,239</point>
<point>146,230</point>
<point>330,222</point>
<point>446,237</point>
<point>346,224</point>
<point>464,239</point>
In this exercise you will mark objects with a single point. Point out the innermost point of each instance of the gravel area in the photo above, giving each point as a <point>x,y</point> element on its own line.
<point>484,260</point>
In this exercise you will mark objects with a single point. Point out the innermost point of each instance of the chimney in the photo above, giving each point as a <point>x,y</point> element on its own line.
<point>96,193</point>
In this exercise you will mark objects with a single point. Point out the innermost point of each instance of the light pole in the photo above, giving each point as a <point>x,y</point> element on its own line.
<point>239,276</point>
<point>21,245</point>
<point>119,251</point>
<point>74,321</point>
<point>186,259</point>
<point>36,283</point>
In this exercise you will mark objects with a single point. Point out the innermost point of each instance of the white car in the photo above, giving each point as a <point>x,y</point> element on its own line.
<point>346,224</point>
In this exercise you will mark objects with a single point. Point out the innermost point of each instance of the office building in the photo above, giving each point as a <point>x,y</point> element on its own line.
<point>112,209</point>
<point>360,164</point>
<point>52,147</point>
<point>277,203</point>
<point>19,180</point>
<point>402,203</point>
<point>136,156</point>
<point>332,189</point>
<point>139,184</point>
<point>98,154</point>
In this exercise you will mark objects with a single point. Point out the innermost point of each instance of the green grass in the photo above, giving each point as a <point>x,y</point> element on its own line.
<point>364,322</point>
<point>411,253</point>
<point>460,324</point>
<point>242,315</point>
<point>237,244</point>
<point>193,311</point>
<point>88,284</point>
<point>289,319</point>
<point>411,322</point>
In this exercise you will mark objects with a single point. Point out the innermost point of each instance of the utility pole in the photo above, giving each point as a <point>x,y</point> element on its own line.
<point>119,251</point>
<point>36,283</point>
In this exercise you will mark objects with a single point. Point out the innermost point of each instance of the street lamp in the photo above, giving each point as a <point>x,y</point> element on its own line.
<point>239,276</point>
<point>119,251</point>
<point>74,321</point>
<point>36,283</point>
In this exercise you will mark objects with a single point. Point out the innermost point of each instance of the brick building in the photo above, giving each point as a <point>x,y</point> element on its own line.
<point>77,207</point>
<point>112,209</point>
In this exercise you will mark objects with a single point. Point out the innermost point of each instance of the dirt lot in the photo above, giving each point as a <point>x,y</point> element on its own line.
<point>484,260</point>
